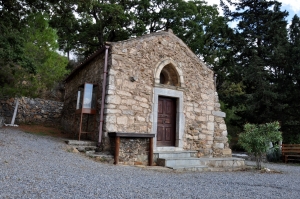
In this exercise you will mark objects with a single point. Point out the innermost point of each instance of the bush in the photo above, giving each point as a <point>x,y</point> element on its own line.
<point>274,154</point>
<point>256,138</point>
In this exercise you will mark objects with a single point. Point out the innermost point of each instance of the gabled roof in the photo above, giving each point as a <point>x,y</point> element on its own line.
<point>143,37</point>
<point>168,33</point>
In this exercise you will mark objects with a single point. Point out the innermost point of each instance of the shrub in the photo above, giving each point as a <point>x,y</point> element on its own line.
<point>274,154</point>
<point>256,138</point>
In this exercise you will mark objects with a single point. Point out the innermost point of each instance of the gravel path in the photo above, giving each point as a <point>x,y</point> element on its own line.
<point>34,166</point>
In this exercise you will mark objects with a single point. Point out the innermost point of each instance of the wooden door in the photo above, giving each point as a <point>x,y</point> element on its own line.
<point>166,121</point>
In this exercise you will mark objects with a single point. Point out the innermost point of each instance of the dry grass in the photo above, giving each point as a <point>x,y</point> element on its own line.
<point>44,131</point>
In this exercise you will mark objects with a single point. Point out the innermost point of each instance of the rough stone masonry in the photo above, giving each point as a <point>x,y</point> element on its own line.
<point>140,70</point>
<point>32,111</point>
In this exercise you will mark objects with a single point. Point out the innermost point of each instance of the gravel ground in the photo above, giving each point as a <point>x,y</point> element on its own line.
<point>34,166</point>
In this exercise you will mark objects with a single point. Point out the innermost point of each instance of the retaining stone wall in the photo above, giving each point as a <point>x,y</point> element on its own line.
<point>32,111</point>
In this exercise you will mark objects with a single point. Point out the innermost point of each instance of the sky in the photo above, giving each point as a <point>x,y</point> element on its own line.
<point>292,6</point>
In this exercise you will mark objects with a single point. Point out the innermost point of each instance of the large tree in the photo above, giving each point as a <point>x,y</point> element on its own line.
<point>15,65</point>
<point>41,47</point>
<point>28,57</point>
<point>84,27</point>
<point>260,65</point>
<point>291,120</point>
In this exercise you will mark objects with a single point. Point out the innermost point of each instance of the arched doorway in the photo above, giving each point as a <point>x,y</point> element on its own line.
<point>168,118</point>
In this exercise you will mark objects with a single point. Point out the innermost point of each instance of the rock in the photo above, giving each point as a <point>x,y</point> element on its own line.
<point>138,163</point>
<point>81,149</point>
<point>199,154</point>
<point>74,150</point>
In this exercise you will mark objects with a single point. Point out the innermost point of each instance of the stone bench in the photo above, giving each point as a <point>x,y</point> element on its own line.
<point>118,135</point>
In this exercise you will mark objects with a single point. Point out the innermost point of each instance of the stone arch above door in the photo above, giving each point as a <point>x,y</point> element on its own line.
<point>170,69</point>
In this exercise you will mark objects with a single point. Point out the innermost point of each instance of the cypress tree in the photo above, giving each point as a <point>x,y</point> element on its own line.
<point>259,49</point>
<point>291,119</point>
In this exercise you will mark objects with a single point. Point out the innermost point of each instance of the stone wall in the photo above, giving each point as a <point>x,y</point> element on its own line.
<point>130,103</point>
<point>133,151</point>
<point>134,68</point>
<point>32,111</point>
<point>92,73</point>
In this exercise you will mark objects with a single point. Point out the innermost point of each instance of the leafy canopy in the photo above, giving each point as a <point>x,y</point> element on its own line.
<point>84,26</point>
<point>260,78</point>
<point>29,61</point>
<point>256,138</point>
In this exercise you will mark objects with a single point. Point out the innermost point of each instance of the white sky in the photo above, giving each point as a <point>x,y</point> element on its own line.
<point>292,6</point>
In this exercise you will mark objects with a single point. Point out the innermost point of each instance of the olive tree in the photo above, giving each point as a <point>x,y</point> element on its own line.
<point>256,138</point>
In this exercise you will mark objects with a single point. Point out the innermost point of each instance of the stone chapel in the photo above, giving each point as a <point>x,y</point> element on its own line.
<point>151,85</point>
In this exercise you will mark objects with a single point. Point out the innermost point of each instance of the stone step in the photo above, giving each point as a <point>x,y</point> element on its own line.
<point>180,162</point>
<point>100,155</point>
<point>81,143</point>
<point>207,162</point>
<point>190,168</point>
<point>240,155</point>
<point>224,162</point>
<point>175,154</point>
<point>85,148</point>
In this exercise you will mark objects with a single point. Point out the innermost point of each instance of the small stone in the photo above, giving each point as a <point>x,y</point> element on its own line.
<point>219,113</point>
<point>227,152</point>
<point>75,150</point>
<point>199,154</point>
<point>138,163</point>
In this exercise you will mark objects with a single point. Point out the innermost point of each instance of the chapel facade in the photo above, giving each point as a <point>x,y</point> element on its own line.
<point>154,85</point>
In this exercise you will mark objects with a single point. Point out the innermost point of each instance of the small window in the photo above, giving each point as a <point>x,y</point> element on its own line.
<point>162,78</point>
<point>169,76</point>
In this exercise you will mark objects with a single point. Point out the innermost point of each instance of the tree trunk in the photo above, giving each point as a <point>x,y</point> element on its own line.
<point>258,161</point>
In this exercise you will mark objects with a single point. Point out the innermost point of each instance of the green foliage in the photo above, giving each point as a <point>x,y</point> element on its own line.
<point>230,120</point>
<point>290,120</point>
<point>41,46</point>
<point>274,154</point>
<point>28,59</point>
<point>16,67</point>
<point>261,77</point>
<point>259,48</point>
<point>84,26</point>
<point>291,138</point>
<point>256,138</point>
